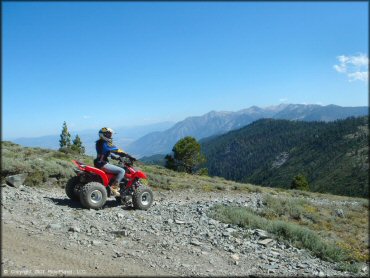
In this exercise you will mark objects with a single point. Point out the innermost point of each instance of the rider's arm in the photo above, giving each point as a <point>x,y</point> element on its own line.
<point>113,150</point>
<point>109,148</point>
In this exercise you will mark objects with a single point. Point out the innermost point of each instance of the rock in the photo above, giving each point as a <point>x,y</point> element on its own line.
<point>302,265</point>
<point>95,242</point>
<point>259,203</point>
<point>117,254</point>
<point>235,257</point>
<point>54,226</point>
<point>177,221</point>
<point>321,274</point>
<point>74,229</point>
<point>230,248</point>
<point>261,233</point>
<point>230,230</point>
<point>266,242</point>
<point>16,180</point>
<point>195,242</point>
<point>262,256</point>
<point>339,213</point>
<point>273,266</point>
<point>168,221</point>
<point>226,234</point>
<point>121,233</point>
<point>51,182</point>
<point>3,184</point>
<point>213,222</point>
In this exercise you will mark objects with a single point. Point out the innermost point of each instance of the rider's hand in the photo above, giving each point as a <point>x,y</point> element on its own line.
<point>115,157</point>
<point>130,157</point>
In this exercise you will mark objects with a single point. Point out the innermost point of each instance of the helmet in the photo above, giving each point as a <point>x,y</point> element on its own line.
<point>106,134</point>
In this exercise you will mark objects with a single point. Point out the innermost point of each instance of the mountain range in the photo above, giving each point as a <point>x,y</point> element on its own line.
<point>217,123</point>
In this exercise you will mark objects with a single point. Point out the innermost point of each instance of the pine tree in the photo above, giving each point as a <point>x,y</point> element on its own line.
<point>300,182</point>
<point>77,145</point>
<point>186,156</point>
<point>65,138</point>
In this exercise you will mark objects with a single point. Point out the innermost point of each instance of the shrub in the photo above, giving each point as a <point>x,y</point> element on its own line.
<point>350,267</point>
<point>202,172</point>
<point>220,187</point>
<point>287,207</point>
<point>39,164</point>
<point>300,182</point>
<point>295,234</point>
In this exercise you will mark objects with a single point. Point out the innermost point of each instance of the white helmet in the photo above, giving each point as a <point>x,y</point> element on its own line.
<point>106,134</point>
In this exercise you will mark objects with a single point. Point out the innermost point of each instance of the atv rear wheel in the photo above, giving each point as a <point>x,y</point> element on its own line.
<point>93,195</point>
<point>142,198</point>
<point>72,188</point>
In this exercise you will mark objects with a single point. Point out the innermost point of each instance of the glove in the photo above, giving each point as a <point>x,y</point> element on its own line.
<point>114,156</point>
<point>130,157</point>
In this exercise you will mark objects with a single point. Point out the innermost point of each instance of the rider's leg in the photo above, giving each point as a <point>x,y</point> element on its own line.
<point>120,172</point>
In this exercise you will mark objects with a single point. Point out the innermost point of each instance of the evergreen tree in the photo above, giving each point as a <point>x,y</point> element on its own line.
<point>170,162</point>
<point>186,156</point>
<point>65,138</point>
<point>300,182</point>
<point>77,145</point>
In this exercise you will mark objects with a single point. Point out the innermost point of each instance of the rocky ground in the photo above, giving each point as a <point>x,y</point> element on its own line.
<point>45,233</point>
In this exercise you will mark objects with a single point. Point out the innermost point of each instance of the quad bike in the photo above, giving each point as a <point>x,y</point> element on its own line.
<point>91,186</point>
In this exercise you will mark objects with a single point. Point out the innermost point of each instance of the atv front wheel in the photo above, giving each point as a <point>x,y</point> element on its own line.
<point>93,195</point>
<point>72,188</point>
<point>142,198</point>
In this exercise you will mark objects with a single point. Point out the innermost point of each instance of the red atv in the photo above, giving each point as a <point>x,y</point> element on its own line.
<point>91,186</point>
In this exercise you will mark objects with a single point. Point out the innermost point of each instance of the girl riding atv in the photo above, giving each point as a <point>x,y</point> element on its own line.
<point>105,149</point>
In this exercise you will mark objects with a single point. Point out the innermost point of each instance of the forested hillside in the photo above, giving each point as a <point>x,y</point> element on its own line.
<point>332,156</point>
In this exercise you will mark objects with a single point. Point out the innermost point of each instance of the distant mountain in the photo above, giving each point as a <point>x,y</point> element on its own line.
<point>332,155</point>
<point>216,123</point>
<point>123,136</point>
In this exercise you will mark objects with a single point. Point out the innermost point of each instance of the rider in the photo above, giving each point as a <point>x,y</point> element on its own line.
<point>104,149</point>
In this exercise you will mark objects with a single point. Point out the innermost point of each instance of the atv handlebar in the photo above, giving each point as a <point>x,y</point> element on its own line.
<point>124,161</point>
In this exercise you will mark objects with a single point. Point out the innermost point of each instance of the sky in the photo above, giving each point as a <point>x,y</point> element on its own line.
<point>95,64</point>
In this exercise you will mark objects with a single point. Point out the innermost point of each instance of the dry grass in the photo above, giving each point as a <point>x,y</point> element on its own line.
<point>349,232</point>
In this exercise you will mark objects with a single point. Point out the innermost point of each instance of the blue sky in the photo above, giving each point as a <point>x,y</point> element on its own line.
<point>95,64</point>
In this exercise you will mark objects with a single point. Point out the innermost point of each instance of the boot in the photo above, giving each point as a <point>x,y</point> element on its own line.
<point>115,189</point>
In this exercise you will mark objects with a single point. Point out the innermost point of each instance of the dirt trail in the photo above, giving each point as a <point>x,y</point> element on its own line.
<point>46,234</point>
<point>40,254</point>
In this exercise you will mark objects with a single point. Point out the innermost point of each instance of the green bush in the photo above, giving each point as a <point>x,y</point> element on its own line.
<point>288,207</point>
<point>350,267</point>
<point>300,182</point>
<point>40,164</point>
<point>202,172</point>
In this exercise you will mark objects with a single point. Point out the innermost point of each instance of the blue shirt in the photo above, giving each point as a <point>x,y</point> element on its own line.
<point>104,150</point>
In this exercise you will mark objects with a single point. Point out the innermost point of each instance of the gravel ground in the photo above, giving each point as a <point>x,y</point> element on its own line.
<point>46,234</point>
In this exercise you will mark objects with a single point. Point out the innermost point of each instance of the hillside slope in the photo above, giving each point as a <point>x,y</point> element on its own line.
<point>185,231</point>
<point>333,156</point>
